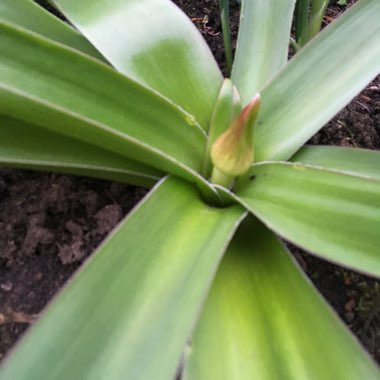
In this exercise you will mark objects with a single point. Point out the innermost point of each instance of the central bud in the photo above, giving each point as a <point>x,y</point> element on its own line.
<point>232,152</point>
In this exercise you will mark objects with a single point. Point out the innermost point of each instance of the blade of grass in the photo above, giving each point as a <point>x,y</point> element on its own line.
<point>301,20</point>
<point>224,8</point>
<point>318,10</point>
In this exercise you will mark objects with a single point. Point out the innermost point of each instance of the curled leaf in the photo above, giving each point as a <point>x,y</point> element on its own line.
<point>232,152</point>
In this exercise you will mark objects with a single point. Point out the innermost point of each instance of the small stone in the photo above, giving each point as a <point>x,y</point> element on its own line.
<point>7,286</point>
<point>75,229</point>
<point>69,254</point>
<point>107,218</point>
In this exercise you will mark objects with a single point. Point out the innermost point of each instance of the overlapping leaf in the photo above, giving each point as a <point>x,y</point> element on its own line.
<point>227,107</point>
<point>69,93</point>
<point>130,311</point>
<point>29,15</point>
<point>359,162</point>
<point>264,321</point>
<point>155,43</point>
<point>330,213</point>
<point>23,145</point>
<point>319,81</point>
<point>262,47</point>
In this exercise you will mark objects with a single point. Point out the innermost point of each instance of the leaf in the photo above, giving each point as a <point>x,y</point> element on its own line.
<point>153,42</point>
<point>334,215</point>
<point>224,10</point>
<point>27,14</point>
<point>262,46</point>
<point>226,109</point>
<point>319,81</point>
<point>301,20</point>
<point>359,162</point>
<point>23,145</point>
<point>317,12</point>
<point>129,312</point>
<point>263,320</point>
<point>55,88</point>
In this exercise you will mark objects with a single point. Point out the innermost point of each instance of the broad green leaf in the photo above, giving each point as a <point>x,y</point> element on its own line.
<point>29,15</point>
<point>263,320</point>
<point>153,42</point>
<point>332,214</point>
<point>320,80</point>
<point>64,91</point>
<point>129,312</point>
<point>359,162</point>
<point>23,145</point>
<point>262,47</point>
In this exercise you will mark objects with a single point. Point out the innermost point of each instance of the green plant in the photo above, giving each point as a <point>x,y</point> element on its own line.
<point>135,309</point>
<point>308,20</point>
<point>224,7</point>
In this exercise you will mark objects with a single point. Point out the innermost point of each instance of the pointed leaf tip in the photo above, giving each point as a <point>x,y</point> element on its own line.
<point>232,152</point>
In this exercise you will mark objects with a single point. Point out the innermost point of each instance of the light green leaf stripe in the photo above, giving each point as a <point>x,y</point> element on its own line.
<point>23,145</point>
<point>263,320</point>
<point>129,312</point>
<point>262,47</point>
<point>359,162</point>
<point>318,82</point>
<point>153,42</point>
<point>331,214</point>
<point>100,106</point>
<point>29,15</point>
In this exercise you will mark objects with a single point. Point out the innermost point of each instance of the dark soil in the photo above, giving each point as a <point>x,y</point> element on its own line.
<point>50,223</point>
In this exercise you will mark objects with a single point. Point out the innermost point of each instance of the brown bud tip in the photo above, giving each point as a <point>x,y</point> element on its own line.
<point>232,152</point>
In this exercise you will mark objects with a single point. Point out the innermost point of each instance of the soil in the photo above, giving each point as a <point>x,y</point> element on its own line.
<point>50,223</point>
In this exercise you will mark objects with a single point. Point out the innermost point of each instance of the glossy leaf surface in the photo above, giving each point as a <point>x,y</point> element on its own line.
<point>263,320</point>
<point>29,15</point>
<point>334,215</point>
<point>262,47</point>
<point>23,145</point>
<point>359,162</point>
<point>153,42</point>
<point>320,80</point>
<point>129,312</point>
<point>91,102</point>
